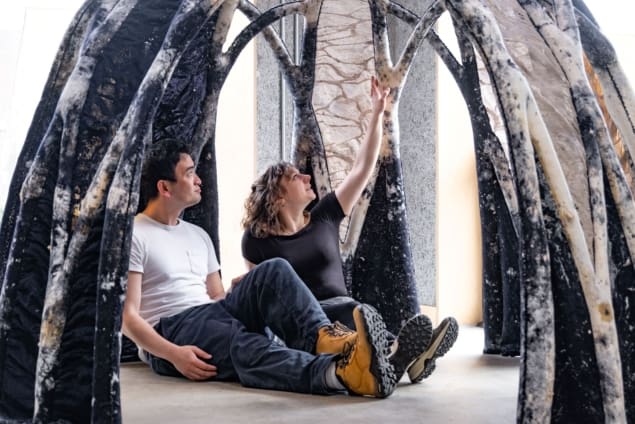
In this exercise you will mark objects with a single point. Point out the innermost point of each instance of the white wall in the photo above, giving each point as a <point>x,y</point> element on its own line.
<point>235,152</point>
<point>458,228</point>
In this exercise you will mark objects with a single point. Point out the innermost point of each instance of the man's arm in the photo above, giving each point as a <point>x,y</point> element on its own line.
<point>186,359</point>
<point>215,289</point>
<point>351,188</point>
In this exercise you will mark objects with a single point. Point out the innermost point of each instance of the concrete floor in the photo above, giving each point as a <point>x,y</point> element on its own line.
<point>467,387</point>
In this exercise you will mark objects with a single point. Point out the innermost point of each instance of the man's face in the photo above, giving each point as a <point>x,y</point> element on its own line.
<point>186,190</point>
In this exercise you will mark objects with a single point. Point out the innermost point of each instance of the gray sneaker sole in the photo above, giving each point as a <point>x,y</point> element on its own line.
<point>380,366</point>
<point>412,341</point>
<point>439,346</point>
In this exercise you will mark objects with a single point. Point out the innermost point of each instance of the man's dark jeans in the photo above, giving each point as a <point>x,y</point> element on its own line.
<point>233,332</point>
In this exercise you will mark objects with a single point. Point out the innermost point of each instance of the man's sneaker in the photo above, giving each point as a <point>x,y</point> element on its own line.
<point>333,337</point>
<point>443,337</point>
<point>412,342</point>
<point>363,367</point>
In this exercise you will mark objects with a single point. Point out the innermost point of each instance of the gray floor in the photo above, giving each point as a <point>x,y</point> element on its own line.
<point>467,387</point>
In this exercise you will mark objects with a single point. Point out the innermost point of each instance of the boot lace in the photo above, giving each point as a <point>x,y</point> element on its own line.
<point>346,355</point>
<point>337,329</point>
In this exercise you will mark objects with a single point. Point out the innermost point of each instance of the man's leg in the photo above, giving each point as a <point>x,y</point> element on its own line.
<point>362,369</point>
<point>251,358</point>
<point>272,295</point>
<point>264,364</point>
<point>208,327</point>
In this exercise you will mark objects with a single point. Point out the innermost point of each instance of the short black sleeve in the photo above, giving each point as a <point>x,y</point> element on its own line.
<point>328,209</point>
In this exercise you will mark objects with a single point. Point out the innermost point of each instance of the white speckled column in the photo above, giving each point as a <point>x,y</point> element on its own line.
<point>418,135</point>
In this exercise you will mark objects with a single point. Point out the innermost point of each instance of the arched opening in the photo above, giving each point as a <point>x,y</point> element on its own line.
<point>533,340</point>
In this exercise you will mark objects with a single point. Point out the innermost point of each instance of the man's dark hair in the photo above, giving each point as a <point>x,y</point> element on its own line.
<point>160,163</point>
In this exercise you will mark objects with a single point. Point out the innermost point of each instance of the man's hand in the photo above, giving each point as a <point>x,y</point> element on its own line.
<point>236,280</point>
<point>187,359</point>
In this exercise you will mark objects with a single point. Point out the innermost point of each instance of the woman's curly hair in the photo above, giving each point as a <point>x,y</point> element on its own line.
<point>263,203</point>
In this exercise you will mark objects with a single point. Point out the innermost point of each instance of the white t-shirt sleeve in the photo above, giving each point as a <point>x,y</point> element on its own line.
<point>137,255</point>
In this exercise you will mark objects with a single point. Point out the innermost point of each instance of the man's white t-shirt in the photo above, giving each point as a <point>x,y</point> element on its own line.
<point>175,261</point>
